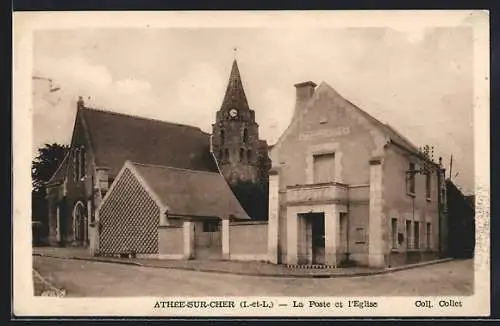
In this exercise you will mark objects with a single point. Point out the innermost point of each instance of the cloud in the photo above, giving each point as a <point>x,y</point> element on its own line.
<point>78,77</point>
<point>132,86</point>
<point>198,95</point>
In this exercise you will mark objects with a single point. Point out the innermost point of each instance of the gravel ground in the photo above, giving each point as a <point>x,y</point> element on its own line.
<point>96,279</point>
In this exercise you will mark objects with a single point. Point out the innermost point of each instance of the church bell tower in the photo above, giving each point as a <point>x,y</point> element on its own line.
<point>241,156</point>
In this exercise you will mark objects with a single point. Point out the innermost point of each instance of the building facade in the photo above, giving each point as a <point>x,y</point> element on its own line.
<point>348,189</point>
<point>162,212</point>
<point>101,143</point>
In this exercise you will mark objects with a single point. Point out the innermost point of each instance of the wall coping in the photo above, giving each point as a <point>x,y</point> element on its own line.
<point>317,185</point>
<point>238,223</point>
<point>170,227</point>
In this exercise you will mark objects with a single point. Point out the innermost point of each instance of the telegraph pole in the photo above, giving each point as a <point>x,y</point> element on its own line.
<point>451,164</point>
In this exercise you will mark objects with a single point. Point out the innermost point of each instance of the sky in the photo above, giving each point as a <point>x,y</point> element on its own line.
<point>418,80</point>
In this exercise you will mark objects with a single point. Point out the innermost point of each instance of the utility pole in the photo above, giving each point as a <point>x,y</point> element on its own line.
<point>451,164</point>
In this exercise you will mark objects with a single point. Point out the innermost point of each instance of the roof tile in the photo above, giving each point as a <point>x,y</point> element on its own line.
<point>191,193</point>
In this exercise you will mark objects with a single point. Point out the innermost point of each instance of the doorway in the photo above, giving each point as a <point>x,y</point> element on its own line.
<point>62,222</point>
<point>80,224</point>
<point>207,240</point>
<point>313,245</point>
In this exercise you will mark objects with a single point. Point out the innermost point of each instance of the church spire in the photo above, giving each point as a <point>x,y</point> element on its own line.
<point>235,95</point>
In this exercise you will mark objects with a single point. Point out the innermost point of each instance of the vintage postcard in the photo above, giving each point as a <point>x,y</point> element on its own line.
<point>320,163</point>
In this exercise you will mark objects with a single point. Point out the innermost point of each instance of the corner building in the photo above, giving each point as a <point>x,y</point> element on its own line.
<point>346,189</point>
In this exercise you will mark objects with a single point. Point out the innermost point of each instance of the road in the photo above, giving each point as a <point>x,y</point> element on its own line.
<point>94,279</point>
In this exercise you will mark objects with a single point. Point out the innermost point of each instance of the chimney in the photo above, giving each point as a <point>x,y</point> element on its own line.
<point>80,104</point>
<point>304,91</point>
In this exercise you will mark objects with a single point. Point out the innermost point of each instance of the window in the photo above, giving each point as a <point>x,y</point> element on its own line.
<point>78,163</point>
<point>75,164</point>
<point>394,232</point>
<point>222,139</point>
<point>408,235</point>
<point>210,226</point>
<point>359,236</point>
<point>242,153</point>
<point>226,154</point>
<point>249,155</point>
<point>245,136</point>
<point>324,168</point>
<point>416,230</point>
<point>428,185</point>
<point>82,163</point>
<point>428,235</point>
<point>410,180</point>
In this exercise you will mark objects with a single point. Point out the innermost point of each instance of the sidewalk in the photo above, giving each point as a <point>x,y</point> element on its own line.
<point>222,266</point>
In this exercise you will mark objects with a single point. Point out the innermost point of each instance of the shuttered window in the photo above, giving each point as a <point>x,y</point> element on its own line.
<point>324,168</point>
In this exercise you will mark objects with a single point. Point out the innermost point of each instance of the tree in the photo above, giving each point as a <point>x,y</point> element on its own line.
<point>253,197</point>
<point>42,168</point>
<point>46,163</point>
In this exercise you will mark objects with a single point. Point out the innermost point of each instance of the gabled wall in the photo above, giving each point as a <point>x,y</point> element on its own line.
<point>128,219</point>
<point>328,123</point>
<point>73,190</point>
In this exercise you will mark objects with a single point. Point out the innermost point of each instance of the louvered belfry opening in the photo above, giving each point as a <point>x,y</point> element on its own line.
<point>129,220</point>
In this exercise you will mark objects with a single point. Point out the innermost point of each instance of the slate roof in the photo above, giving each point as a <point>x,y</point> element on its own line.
<point>191,193</point>
<point>116,138</point>
<point>235,94</point>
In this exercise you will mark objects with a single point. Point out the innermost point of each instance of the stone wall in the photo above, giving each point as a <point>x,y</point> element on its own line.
<point>170,242</point>
<point>248,241</point>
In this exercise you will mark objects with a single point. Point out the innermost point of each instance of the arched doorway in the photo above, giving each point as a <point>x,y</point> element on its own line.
<point>80,224</point>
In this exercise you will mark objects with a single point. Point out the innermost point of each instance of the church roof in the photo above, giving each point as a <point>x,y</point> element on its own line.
<point>235,94</point>
<point>191,193</point>
<point>117,137</point>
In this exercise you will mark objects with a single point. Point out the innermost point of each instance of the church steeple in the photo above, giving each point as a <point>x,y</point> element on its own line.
<point>235,97</point>
<point>242,157</point>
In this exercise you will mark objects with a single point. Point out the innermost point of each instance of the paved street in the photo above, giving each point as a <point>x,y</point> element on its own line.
<point>86,278</point>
